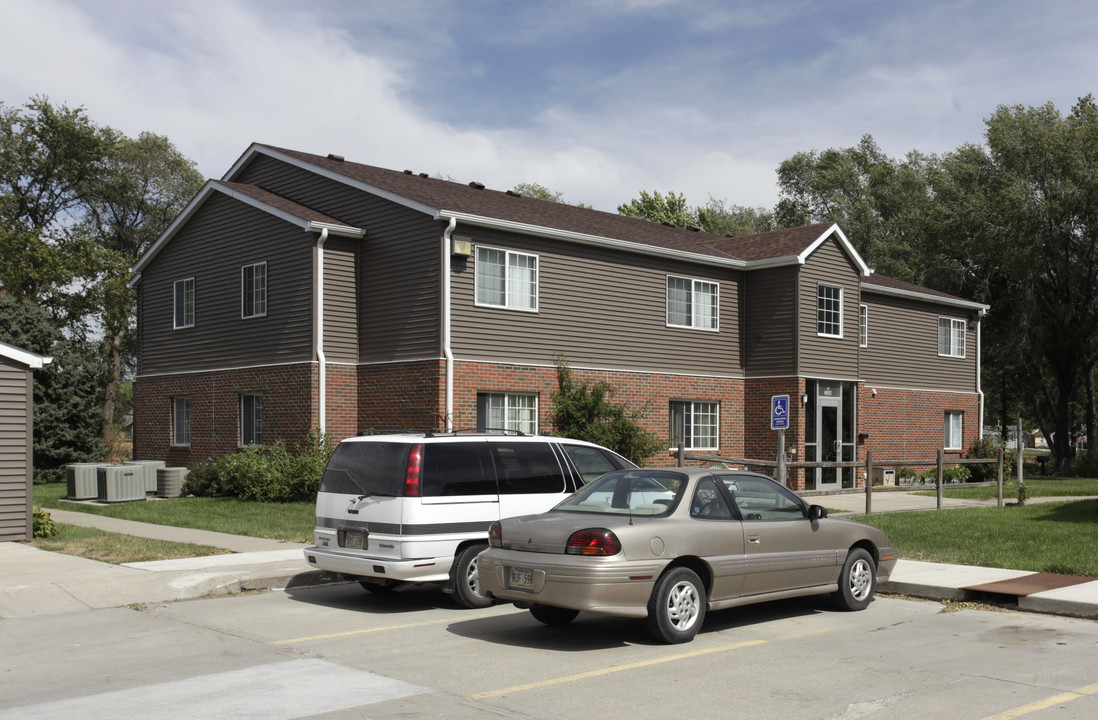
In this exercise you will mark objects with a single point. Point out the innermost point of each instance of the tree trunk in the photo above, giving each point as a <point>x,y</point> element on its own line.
<point>110,391</point>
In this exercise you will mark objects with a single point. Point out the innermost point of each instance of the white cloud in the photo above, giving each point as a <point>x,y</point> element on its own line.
<point>713,112</point>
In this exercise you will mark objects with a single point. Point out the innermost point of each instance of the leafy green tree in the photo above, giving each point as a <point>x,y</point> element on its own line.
<point>66,393</point>
<point>48,155</point>
<point>722,218</point>
<point>881,203</point>
<point>585,411</point>
<point>539,191</point>
<point>670,208</point>
<point>142,185</point>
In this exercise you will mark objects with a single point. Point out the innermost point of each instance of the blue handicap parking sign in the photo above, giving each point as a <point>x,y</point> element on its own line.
<point>779,412</point>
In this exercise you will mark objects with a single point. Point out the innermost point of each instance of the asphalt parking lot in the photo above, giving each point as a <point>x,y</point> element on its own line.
<point>336,651</point>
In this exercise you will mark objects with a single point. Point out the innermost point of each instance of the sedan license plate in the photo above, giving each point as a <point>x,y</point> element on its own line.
<point>356,539</point>
<point>521,578</point>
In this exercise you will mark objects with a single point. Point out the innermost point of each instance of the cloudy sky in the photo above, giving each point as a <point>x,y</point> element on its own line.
<point>596,99</point>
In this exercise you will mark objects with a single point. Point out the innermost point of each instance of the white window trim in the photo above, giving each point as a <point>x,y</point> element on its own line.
<point>690,409</point>
<point>842,301</point>
<point>175,309</point>
<point>506,279</point>
<point>863,325</point>
<point>507,397</point>
<point>953,323</point>
<point>175,424</point>
<point>694,282</point>
<point>954,443</point>
<point>243,296</point>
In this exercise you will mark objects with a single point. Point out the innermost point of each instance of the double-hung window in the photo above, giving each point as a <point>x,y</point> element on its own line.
<point>184,303</point>
<point>951,337</point>
<point>695,424</point>
<point>253,290</point>
<point>863,326</point>
<point>251,420</point>
<point>829,311</point>
<point>508,411</point>
<point>692,303</point>
<point>954,423</point>
<point>506,279</point>
<point>181,421</point>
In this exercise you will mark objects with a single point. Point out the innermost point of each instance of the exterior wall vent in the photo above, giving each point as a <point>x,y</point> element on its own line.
<point>333,156</point>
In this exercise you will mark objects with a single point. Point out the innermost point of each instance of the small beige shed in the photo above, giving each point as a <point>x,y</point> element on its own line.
<point>16,437</point>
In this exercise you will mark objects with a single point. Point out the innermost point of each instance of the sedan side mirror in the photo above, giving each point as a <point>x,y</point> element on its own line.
<point>815,512</point>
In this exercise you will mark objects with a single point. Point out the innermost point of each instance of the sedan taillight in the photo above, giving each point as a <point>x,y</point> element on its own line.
<point>593,541</point>
<point>495,534</point>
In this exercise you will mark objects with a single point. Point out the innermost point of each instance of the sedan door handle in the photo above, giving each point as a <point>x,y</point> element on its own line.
<point>753,540</point>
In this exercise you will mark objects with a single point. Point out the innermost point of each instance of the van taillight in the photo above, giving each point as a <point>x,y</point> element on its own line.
<point>415,465</point>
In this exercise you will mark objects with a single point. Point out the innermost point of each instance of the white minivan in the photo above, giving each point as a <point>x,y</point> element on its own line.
<point>415,508</point>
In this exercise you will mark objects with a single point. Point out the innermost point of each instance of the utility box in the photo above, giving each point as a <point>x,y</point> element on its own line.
<point>82,480</point>
<point>120,483</point>
<point>146,469</point>
<point>169,481</point>
<point>884,476</point>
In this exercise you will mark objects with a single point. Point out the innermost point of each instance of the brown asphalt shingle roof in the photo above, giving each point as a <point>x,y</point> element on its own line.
<point>280,203</point>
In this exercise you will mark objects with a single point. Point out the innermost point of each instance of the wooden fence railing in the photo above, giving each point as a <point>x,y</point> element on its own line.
<point>782,468</point>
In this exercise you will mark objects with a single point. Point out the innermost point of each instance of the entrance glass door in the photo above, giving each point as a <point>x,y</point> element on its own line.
<point>829,442</point>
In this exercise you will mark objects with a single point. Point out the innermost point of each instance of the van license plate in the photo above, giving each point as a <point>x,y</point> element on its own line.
<point>522,578</point>
<point>353,539</point>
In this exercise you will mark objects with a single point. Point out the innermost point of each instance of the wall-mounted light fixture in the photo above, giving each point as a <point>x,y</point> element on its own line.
<point>462,246</point>
<point>804,399</point>
<point>874,392</point>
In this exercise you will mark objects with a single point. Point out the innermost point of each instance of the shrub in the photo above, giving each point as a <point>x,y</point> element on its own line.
<point>1084,465</point>
<point>955,474</point>
<point>269,473</point>
<point>44,526</point>
<point>988,447</point>
<point>582,411</point>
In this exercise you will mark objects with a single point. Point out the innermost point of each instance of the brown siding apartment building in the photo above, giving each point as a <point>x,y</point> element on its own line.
<point>305,291</point>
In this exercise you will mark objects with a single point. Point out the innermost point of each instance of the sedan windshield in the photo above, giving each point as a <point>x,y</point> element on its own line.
<point>629,492</point>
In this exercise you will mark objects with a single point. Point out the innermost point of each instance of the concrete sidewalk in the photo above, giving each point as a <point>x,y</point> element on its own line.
<point>36,582</point>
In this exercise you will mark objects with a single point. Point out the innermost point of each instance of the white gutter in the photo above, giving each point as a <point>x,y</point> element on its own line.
<point>447,351</point>
<point>321,360</point>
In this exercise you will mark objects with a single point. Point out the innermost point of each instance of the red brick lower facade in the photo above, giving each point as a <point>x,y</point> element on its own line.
<point>892,423</point>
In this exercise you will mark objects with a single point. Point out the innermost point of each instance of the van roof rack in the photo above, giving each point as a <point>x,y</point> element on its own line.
<point>479,431</point>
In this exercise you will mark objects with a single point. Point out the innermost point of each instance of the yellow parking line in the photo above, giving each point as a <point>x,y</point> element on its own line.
<point>358,632</point>
<point>1046,703</point>
<point>616,668</point>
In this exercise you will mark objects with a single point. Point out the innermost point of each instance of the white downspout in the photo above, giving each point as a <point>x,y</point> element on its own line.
<point>321,360</point>
<point>979,359</point>
<point>447,351</point>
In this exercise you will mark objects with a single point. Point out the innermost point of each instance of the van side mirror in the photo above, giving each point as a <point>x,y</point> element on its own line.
<point>815,512</point>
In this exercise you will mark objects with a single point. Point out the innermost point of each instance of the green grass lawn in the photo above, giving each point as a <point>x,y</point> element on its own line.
<point>293,522</point>
<point>117,549</point>
<point>1054,537</point>
<point>1036,486</point>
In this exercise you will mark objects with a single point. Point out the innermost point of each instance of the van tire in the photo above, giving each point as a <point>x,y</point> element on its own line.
<point>466,579</point>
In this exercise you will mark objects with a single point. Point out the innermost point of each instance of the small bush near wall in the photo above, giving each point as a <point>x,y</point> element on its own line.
<point>269,473</point>
<point>988,447</point>
<point>1084,465</point>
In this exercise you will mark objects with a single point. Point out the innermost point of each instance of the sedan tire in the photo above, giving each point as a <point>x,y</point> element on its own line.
<point>857,582</point>
<point>550,615</point>
<point>466,577</point>
<point>676,609</point>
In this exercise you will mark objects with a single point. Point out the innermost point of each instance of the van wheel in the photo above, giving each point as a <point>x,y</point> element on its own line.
<point>467,579</point>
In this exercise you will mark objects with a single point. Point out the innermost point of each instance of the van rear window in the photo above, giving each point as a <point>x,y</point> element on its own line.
<point>367,468</point>
<point>457,469</point>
